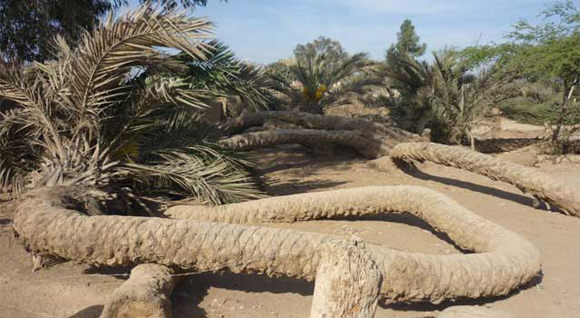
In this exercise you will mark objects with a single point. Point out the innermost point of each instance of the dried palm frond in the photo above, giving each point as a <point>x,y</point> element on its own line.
<point>110,114</point>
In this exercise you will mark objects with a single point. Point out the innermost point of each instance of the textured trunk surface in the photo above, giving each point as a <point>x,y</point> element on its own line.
<point>528,180</point>
<point>306,137</point>
<point>384,136</point>
<point>505,260</point>
<point>347,283</point>
<point>498,145</point>
<point>146,293</point>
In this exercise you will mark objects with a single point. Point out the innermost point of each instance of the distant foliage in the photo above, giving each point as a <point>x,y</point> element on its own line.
<point>408,42</point>
<point>442,96</point>
<point>320,74</point>
<point>547,52</point>
<point>27,27</point>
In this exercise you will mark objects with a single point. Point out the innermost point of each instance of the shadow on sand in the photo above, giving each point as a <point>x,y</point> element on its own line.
<point>514,197</point>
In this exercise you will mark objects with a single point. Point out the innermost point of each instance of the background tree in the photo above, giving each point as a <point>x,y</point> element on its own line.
<point>548,51</point>
<point>458,98</point>
<point>443,95</point>
<point>408,41</point>
<point>28,27</point>
<point>404,77</point>
<point>320,74</point>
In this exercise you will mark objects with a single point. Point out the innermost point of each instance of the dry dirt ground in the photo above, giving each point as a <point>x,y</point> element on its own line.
<point>69,290</point>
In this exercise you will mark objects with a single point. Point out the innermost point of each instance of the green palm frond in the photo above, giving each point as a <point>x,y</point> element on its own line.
<point>203,172</point>
<point>317,80</point>
<point>224,74</point>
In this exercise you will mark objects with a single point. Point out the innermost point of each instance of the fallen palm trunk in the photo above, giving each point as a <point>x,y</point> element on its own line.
<point>528,180</point>
<point>507,260</point>
<point>47,227</point>
<point>145,294</point>
<point>306,137</point>
<point>305,120</point>
<point>385,135</point>
<point>497,145</point>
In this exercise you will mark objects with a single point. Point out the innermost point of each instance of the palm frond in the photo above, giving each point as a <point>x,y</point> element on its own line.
<point>116,113</point>
<point>117,46</point>
<point>320,76</point>
<point>224,74</point>
<point>202,172</point>
<point>17,155</point>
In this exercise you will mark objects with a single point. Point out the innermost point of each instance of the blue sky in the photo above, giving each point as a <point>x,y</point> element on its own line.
<point>265,31</point>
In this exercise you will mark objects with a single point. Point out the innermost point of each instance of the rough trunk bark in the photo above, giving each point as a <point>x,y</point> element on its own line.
<point>347,283</point>
<point>505,261</point>
<point>423,277</point>
<point>146,293</point>
<point>528,180</point>
<point>306,137</point>
<point>386,135</point>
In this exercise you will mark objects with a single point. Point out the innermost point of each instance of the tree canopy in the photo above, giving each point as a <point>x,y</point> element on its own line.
<point>27,28</point>
<point>408,41</point>
<point>548,51</point>
<point>320,73</point>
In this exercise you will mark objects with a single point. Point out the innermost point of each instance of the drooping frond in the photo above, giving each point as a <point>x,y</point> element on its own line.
<point>202,172</point>
<point>224,74</point>
<point>15,87</point>
<point>17,155</point>
<point>117,113</point>
<point>117,46</point>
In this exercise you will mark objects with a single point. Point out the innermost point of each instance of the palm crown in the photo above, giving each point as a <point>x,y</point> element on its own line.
<point>106,114</point>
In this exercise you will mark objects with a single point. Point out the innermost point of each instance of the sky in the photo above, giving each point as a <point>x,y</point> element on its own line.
<point>268,30</point>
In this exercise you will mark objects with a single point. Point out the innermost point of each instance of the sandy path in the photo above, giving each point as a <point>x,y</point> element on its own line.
<point>63,291</point>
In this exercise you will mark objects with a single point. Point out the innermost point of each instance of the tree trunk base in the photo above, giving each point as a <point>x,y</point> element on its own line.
<point>145,294</point>
<point>348,282</point>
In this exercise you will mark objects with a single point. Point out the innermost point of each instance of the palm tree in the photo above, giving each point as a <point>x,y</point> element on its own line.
<point>108,115</point>
<point>407,81</point>
<point>443,96</point>
<point>321,73</point>
<point>459,99</point>
<point>228,77</point>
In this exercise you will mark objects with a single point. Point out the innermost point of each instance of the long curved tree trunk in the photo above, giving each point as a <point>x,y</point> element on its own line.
<point>305,137</point>
<point>384,135</point>
<point>528,180</point>
<point>506,260</point>
<point>430,271</point>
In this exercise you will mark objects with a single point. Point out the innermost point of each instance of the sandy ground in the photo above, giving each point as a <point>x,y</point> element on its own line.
<point>70,290</point>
